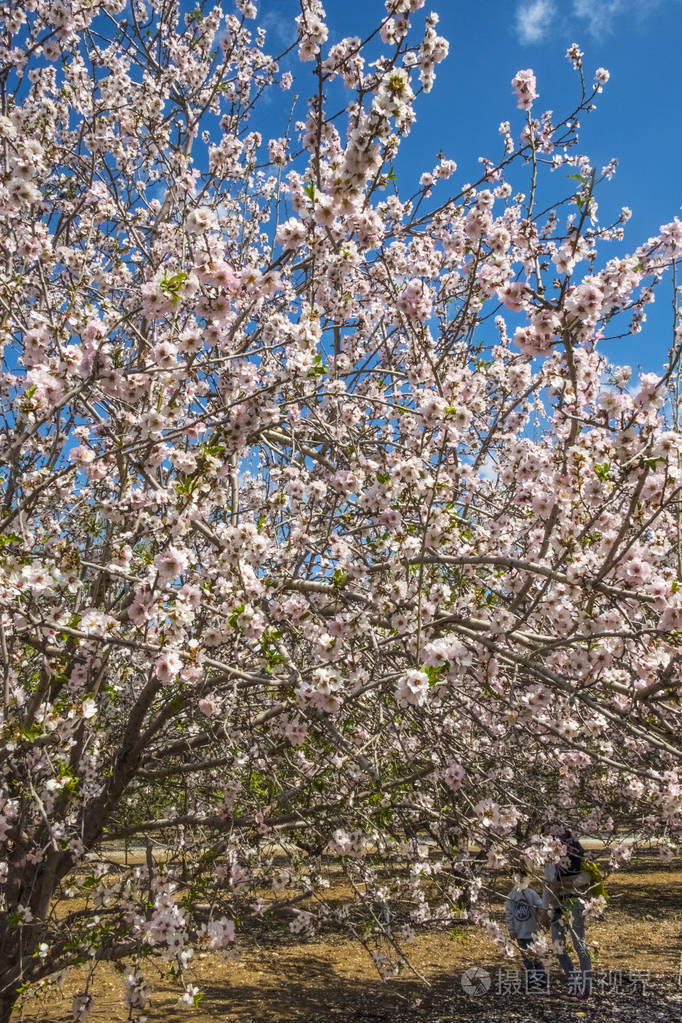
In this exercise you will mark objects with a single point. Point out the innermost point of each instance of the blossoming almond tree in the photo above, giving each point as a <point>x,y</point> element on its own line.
<point>326,527</point>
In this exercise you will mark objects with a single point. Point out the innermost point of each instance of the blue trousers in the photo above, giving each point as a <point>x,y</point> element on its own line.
<point>571,920</point>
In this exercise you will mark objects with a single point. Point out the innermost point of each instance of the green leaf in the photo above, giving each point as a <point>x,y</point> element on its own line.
<point>177,279</point>
<point>171,285</point>
<point>435,674</point>
<point>318,368</point>
<point>186,486</point>
<point>213,450</point>
<point>234,615</point>
<point>309,190</point>
<point>340,578</point>
<point>29,734</point>
<point>7,538</point>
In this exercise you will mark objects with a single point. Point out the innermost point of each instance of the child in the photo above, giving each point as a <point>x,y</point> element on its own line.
<point>523,911</point>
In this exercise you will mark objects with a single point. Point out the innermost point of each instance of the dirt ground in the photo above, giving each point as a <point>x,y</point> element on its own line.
<point>270,979</point>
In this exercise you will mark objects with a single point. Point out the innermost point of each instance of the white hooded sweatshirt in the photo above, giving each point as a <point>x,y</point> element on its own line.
<point>522,909</point>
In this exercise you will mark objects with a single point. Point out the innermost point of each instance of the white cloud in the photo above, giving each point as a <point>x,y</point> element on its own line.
<point>488,469</point>
<point>533,20</point>
<point>599,15</point>
<point>278,22</point>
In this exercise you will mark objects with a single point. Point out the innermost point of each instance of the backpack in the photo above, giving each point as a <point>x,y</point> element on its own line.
<point>578,875</point>
<point>596,888</point>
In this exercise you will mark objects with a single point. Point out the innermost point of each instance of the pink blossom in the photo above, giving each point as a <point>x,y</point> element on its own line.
<point>167,666</point>
<point>200,220</point>
<point>171,563</point>
<point>220,932</point>
<point>415,301</point>
<point>82,455</point>
<point>514,296</point>
<point>524,85</point>
<point>413,689</point>
<point>454,775</point>
<point>292,234</point>
<point>209,706</point>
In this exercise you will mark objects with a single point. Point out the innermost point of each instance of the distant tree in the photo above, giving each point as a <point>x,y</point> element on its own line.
<point>326,527</point>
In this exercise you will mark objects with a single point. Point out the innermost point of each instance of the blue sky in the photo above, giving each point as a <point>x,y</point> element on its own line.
<point>637,120</point>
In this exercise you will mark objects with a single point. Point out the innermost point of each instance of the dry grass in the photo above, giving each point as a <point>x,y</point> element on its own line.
<point>270,979</point>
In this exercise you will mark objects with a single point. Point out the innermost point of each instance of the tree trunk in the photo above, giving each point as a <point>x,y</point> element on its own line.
<point>7,1001</point>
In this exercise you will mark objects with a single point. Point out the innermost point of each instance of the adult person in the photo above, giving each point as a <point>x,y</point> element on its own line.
<point>565,885</point>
